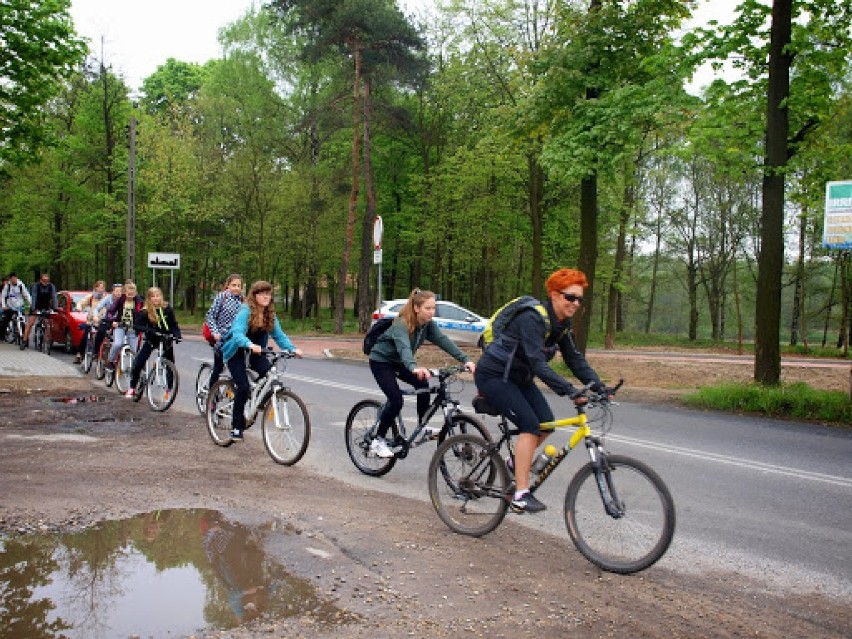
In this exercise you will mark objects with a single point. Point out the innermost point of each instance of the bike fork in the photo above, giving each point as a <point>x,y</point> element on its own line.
<point>613,506</point>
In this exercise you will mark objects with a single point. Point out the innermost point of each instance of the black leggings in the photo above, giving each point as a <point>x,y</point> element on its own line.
<point>386,374</point>
<point>525,406</point>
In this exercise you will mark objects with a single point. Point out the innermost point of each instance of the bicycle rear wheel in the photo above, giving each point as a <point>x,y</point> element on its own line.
<point>220,412</point>
<point>635,536</point>
<point>469,485</point>
<point>359,431</point>
<point>47,338</point>
<point>123,369</point>
<point>285,438</point>
<point>202,386</point>
<point>163,382</point>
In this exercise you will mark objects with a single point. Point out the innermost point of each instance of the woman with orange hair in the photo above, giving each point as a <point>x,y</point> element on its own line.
<point>530,334</point>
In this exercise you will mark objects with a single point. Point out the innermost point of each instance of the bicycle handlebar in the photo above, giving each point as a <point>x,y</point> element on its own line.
<point>447,371</point>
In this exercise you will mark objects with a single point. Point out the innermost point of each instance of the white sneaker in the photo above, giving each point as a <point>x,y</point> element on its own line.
<point>432,432</point>
<point>379,447</point>
<point>129,392</point>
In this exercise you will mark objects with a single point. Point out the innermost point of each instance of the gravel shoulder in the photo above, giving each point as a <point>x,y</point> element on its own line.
<point>386,560</point>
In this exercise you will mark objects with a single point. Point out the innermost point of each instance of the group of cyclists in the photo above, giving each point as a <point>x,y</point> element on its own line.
<point>527,335</point>
<point>16,298</point>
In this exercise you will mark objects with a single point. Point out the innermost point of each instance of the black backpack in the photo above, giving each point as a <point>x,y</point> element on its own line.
<point>375,332</point>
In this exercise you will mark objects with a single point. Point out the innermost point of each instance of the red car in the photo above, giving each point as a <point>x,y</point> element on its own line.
<point>67,324</point>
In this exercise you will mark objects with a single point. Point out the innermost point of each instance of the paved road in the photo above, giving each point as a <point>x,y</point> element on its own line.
<point>767,498</point>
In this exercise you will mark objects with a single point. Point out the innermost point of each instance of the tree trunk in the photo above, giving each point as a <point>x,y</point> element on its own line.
<point>340,306</point>
<point>535,193</point>
<point>588,254</point>
<point>617,271</point>
<point>767,351</point>
<point>365,303</point>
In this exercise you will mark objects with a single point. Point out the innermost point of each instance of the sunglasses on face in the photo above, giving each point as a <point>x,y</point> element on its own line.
<point>570,297</point>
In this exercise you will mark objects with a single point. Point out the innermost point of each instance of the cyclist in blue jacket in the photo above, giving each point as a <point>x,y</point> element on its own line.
<point>251,330</point>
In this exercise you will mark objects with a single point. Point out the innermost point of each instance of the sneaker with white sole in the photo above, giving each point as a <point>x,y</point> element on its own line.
<point>432,432</point>
<point>130,392</point>
<point>526,503</point>
<point>379,447</point>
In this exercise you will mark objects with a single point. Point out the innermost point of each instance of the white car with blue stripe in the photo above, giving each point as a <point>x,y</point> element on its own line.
<point>458,323</point>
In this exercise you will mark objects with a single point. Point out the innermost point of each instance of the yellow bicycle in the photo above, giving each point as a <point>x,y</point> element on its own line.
<point>619,513</point>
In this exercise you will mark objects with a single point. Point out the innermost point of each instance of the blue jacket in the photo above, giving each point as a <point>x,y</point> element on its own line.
<point>237,337</point>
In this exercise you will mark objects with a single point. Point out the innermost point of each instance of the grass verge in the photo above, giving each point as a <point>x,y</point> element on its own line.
<point>795,401</point>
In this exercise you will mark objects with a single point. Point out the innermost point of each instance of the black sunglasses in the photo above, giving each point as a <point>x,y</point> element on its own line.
<point>570,297</point>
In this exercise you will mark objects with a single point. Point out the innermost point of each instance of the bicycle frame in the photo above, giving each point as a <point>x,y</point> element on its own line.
<point>583,433</point>
<point>442,400</point>
<point>260,390</point>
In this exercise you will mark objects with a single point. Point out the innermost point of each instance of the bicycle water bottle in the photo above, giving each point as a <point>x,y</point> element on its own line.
<point>544,458</point>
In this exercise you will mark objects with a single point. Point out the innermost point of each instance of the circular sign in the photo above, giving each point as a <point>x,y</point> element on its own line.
<point>378,230</point>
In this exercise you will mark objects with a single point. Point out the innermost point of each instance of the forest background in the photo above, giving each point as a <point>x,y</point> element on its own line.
<point>499,141</point>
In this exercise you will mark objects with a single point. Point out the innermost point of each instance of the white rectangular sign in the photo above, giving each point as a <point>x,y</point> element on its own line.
<point>377,256</point>
<point>164,260</point>
<point>837,233</point>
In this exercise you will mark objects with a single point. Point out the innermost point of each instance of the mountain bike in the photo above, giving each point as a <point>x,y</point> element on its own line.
<point>124,363</point>
<point>363,422</point>
<point>42,339</point>
<point>160,379</point>
<point>619,513</point>
<point>285,424</point>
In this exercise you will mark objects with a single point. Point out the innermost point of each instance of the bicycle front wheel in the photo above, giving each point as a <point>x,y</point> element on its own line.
<point>38,339</point>
<point>202,385</point>
<point>359,431</point>
<point>163,382</point>
<point>123,369</point>
<point>86,362</point>
<point>286,427</point>
<point>469,485</point>
<point>640,525</point>
<point>220,412</point>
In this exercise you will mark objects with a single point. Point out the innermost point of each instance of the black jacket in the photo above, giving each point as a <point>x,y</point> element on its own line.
<point>153,331</point>
<point>529,344</point>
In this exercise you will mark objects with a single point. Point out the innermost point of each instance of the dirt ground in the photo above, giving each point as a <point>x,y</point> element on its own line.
<point>394,568</point>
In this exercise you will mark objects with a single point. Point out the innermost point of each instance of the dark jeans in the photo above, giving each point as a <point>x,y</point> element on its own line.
<point>218,367</point>
<point>386,374</point>
<point>525,406</point>
<point>142,357</point>
<point>237,367</point>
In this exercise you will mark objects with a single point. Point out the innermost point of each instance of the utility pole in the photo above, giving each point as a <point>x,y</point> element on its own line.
<point>130,265</point>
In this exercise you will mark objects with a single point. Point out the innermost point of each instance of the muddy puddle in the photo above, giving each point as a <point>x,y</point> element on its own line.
<point>168,573</point>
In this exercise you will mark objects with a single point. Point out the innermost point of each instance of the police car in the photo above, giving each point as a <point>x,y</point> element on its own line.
<point>459,324</point>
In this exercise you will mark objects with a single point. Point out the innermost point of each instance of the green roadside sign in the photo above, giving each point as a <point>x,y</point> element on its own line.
<point>837,233</point>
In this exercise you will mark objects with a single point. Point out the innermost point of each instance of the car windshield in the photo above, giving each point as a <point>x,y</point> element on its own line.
<point>76,297</point>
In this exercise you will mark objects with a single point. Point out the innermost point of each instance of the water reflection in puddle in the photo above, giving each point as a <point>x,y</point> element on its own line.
<point>163,574</point>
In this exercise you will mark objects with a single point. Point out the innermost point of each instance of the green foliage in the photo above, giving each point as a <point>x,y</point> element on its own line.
<point>40,49</point>
<point>794,401</point>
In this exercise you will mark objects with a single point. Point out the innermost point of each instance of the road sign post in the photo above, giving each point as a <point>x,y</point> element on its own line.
<point>378,231</point>
<point>167,262</point>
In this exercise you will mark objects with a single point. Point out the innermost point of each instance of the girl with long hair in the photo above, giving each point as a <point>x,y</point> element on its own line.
<point>154,320</point>
<point>221,317</point>
<point>392,358</point>
<point>254,324</point>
